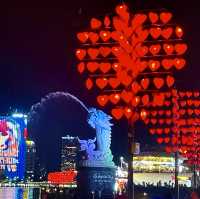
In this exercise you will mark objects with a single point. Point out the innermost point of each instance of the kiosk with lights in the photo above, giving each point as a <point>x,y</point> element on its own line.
<point>12,147</point>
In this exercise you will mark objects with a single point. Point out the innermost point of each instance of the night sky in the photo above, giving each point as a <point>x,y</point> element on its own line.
<point>37,43</point>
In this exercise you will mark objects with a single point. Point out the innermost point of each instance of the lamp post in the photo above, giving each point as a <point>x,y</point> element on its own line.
<point>121,162</point>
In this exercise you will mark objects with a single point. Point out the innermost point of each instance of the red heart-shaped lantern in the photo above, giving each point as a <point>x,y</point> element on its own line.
<point>135,87</point>
<point>179,63</point>
<point>153,17</point>
<point>105,67</point>
<point>153,121</point>
<point>167,103</point>
<point>95,23</point>
<point>143,114</point>
<point>179,32</point>
<point>117,113</point>
<point>102,100</point>
<point>93,52</point>
<point>94,37</point>
<point>167,32</point>
<point>92,66</point>
<point>114,82</point>
<point>167,140</point>
<point>107,21</point>
<point>89,84</point>
<point>196,94</point>
<point>121,9</point>
<point>160,140</point>
<point>145,100</point>
<point>168,48</point>
<point>167,130</point>
<point>155,49</point>
<point>170,81</point>
<point>167,63</point>
<point>135,101</point>
<point>83,37</point>
<point>158,100</point>
<point>126,96</point>
<point>160,112</point>
<point>116,66</point>
<point>161,121</point>
<point>81,67</point>
<point>128,112</point>
<point>154,65</point>
<point>180,48</point>
<point>105,51</point>
<point>101,82</point>
<point>141,50</point>
<point>105,35</point>
<point>165,17</point>
<point>80,54</point>
<point>145,83</point>
<point>114,98</point>
<point>155,32</point>
<point>159,131</point>
<point>154,113</point>
<point>168,113</point>
<point>152,131</point>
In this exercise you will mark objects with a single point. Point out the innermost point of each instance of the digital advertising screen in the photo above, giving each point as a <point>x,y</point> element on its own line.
<point>12,147</point>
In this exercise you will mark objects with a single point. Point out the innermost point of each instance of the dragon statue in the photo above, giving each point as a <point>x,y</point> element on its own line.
<point>98,152</point>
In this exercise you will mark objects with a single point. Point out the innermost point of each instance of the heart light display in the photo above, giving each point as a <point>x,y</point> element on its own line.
<point>89,84</point>
<point>126,55</point>
<point>94,37</point>
<point>153,17</point>
<point>165,17</point>
<point>81,67</point>
<point>83,36</point>
<point>167,32</point>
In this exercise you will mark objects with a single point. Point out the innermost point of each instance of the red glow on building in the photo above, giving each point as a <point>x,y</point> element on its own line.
<point>65,177</point>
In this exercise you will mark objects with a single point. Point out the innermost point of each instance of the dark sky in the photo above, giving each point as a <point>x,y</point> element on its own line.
<point>37,42</point>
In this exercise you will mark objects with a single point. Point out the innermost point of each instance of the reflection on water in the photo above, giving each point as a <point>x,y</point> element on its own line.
<point>19,193</point>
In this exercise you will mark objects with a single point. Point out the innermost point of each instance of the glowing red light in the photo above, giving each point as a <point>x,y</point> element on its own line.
<point>143,114</point>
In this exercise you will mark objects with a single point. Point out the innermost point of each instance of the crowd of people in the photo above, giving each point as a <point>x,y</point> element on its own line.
<point>147,192</point>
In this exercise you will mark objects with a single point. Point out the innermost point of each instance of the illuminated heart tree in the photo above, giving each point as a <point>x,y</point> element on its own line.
<point>177,125</point>
<point>130,58</point>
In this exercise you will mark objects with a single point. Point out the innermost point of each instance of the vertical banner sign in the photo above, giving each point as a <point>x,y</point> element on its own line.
<point>12,147</point>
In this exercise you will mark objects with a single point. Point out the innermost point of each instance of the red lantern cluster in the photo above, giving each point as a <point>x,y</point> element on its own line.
<point>126,55</point>
<point>177,126</point>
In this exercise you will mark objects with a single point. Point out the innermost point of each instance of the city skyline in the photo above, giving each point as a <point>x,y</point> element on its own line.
<point>37,57</point>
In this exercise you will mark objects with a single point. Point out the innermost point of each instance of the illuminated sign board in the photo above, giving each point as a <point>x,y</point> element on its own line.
<point>12,147</point>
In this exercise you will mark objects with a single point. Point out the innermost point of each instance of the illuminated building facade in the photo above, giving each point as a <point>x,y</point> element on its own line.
<point>64,177</point>
<point>159,168</point>
<point>155,168</point>
<point>12,146</point>
<point>69,153</point>
<point>156,162</point>
<point>30,159</point>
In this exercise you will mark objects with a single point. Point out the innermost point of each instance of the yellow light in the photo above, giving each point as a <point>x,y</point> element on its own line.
<point>117,96</point>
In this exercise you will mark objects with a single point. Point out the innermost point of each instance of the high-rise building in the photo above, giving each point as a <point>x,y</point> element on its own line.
<point>69,153</point>
<point>30,159</point>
